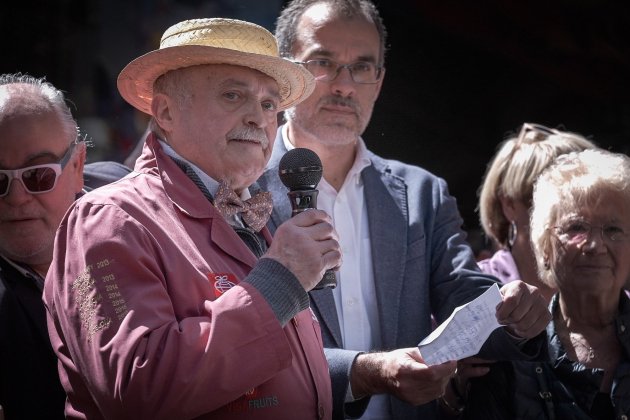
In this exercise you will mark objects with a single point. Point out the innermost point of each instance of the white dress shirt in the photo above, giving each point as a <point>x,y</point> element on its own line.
<point>355,295</point>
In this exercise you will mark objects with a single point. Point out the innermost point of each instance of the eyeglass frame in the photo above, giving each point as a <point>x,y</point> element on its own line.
<point>560,231</point>
<point>57,168</point>
<point>379,70</point>
<point>542,133</point>
<point>538,129</point>
<point>526,128</point>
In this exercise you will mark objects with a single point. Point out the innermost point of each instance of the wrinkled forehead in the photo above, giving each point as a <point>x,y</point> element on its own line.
<point>27,138</point>
<point>321,28</point>
<point>600,202</point>
<point>215,73</point>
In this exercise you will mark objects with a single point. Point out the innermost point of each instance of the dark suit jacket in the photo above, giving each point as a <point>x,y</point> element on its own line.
<point>422,265</point>
<point>97,174</point>
<point>29,382</point>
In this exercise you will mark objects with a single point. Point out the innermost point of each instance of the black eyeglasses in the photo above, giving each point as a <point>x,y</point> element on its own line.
<point>36,179</point>
<point>578,231</point>
<point>326,70</point>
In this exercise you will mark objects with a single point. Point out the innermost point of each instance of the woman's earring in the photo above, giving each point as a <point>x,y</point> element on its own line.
<point>512,232</point>
<point>546,263</point>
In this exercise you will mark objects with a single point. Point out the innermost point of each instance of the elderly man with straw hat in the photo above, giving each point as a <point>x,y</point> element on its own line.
<point>166,298</point>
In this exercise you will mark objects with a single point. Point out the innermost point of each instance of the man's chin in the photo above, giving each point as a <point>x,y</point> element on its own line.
<point>330,131</point>
<point>245,178</point>
<point>336,133</point>
<point>28,253</point>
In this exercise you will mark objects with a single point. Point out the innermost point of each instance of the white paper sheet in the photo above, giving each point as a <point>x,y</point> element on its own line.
<point>464,332</point>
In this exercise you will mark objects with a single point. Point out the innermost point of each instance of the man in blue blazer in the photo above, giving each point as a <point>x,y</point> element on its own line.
<point>405,255</point>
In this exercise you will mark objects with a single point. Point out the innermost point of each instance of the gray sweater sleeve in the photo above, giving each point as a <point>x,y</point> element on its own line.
<point>280,288</point>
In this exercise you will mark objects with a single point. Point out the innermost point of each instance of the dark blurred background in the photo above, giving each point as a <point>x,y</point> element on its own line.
<point>460,75</point>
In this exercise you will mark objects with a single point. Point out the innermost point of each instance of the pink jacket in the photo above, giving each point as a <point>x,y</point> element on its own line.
<point>144,322</point>
<point>501,265</point>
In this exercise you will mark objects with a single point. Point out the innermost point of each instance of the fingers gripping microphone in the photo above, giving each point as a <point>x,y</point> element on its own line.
<point>300,171</point>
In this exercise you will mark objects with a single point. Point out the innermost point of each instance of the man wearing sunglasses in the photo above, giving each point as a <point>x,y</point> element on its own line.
<point>41,165</point>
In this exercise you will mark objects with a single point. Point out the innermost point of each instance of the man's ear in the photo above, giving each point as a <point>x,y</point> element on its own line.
<point>162,110</point>
<point>379,85</point>
<point>508,207</point>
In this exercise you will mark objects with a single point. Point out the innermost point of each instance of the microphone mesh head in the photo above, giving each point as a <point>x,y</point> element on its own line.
<point>300,169</point>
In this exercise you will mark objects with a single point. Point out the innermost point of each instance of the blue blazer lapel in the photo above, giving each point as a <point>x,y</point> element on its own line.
<point>322,301</point>
<point>323,304</point>
<point>387,208</point>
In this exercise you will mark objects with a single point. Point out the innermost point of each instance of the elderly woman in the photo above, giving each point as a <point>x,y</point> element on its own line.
<point>505,198</point>
<point>580,230</point>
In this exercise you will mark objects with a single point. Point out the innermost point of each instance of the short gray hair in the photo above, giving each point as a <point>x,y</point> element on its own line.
<point>54,97</point>
<point>572,182</point>
<point>173,84</point>
<point>286,24</point>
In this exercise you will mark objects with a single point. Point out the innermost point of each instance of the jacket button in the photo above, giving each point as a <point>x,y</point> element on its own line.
<point>321,411</point>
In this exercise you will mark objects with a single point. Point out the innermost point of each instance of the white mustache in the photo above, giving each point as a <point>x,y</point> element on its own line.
<point>339,101</point>
<point>249,133</point>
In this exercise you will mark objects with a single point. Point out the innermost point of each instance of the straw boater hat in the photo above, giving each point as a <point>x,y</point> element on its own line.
<point>214,41</point>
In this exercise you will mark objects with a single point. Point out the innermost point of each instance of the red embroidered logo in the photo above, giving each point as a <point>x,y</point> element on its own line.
<point>252,393</point>
<point>222,282</point>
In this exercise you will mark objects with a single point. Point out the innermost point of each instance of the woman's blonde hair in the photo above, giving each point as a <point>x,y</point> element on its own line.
<point>513,170</point>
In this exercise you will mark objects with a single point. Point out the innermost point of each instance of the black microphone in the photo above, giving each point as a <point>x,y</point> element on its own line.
<point>300,171</point>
